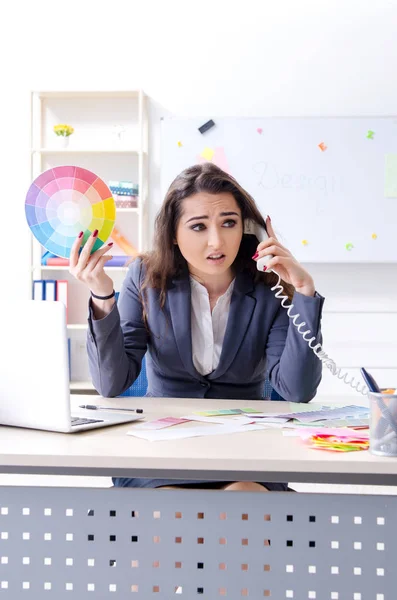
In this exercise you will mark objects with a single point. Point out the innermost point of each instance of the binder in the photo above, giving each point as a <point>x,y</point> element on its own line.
<point>62,293</point>
<point>50,291</point>
<point>38,292</point>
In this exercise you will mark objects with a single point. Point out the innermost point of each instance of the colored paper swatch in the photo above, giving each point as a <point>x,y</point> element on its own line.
<point>391,176</point>
<point>65,200</point>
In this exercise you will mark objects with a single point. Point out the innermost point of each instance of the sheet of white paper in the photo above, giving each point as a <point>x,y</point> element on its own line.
<point>176,433</point>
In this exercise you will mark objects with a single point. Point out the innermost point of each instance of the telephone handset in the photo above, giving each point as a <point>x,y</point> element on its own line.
<point>252,228</point>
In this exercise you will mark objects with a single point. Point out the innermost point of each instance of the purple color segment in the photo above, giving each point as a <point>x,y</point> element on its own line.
<point>32,194</point>
<point>42,199</point>
<point>117,261</point>
<point>41,214</point>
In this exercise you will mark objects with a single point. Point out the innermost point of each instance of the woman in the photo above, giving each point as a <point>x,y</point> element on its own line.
<point>199,309</point>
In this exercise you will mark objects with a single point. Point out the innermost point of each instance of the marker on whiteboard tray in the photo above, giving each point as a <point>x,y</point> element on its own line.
<point>206,126</point>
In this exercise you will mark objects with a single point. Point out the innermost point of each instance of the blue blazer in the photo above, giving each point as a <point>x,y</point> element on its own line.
<point>260,341</point>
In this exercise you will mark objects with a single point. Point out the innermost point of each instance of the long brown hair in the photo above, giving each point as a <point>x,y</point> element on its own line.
<point>165,261</point>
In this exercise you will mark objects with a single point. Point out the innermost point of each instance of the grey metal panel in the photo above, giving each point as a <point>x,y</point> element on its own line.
<point>161,544</point>
<point>207,474</point>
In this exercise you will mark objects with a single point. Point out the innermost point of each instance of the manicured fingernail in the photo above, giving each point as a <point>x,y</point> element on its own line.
<point>268,216</point>
<point>111,244</point>
<point>255,255</point>
<point>95,233</point>
<point>81,234</point>
<point>265,268</point>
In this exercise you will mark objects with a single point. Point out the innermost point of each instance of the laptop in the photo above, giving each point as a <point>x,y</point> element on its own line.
<point>34,372</point>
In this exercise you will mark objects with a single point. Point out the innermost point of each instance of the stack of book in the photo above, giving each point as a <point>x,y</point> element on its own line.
<point>125,193</point>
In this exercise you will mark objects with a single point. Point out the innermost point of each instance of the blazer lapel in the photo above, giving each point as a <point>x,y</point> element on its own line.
<point>179,301</point>
<point>240,313</point>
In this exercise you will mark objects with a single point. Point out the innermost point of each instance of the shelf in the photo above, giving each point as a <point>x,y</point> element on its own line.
<point>88,94</point>
<point>94,114</point>
<point>81,385</point>
<point>66,268</point>
<point>85,151</point>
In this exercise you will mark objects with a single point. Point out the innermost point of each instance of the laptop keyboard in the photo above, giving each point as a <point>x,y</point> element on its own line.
<point>82,421</point>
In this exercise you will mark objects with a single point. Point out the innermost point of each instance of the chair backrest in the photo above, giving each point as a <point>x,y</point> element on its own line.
<point>139,387</point>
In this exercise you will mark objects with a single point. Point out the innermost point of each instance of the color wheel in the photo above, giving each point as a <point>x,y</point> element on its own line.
<point>65,200</point>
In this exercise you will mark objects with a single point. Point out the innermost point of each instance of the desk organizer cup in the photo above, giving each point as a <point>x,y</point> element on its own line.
<point>383,424</point>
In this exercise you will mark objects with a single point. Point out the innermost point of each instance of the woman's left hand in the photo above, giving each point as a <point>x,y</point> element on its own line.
<point>284,264</point>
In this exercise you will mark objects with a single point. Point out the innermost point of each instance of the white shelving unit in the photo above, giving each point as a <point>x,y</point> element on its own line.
<point>93,146</point>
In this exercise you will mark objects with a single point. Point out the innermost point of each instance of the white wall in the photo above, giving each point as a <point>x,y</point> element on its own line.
<point>212,59</point>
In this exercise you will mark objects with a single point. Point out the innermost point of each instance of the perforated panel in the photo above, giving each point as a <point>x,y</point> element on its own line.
<point>143,543</point>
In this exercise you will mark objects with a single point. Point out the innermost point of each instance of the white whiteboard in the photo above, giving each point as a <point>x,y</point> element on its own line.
<point>341,201</point>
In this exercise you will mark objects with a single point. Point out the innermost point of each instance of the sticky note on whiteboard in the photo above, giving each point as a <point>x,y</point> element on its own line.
<point>391,176</point>
<point>208,153</point>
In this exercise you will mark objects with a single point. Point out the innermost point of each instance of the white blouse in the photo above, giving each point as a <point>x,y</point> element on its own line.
<point>208,329</point>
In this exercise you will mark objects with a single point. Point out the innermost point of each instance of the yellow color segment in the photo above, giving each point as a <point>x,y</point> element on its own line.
<point>374,236</point>
<point>98,211</point>
<point>109,208</point>
<point>305,242</point>
<point>95,224</point>
<point>106,230</point>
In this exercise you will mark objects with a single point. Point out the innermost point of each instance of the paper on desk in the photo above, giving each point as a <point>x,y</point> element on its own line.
<point>224,412</point>
<point>161,423</point>
<point>223,420</point>
<point>330,413</point>
<point>269,418</point>
<point>182,433</point>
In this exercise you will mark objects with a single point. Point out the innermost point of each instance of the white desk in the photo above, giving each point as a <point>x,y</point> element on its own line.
<point>248,456</point>
<point>142,543</point>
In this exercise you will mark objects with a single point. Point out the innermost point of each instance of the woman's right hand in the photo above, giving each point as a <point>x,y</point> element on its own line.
<point>89,268</point>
